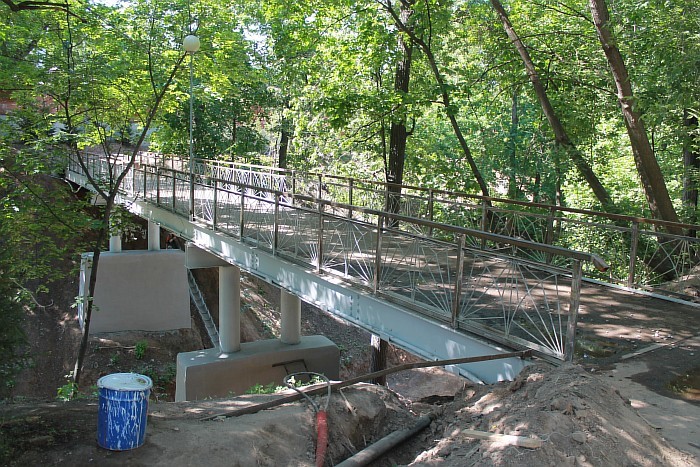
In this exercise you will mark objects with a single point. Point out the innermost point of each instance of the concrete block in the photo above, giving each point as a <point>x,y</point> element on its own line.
<point>208,373</point>
<point>140,291</point>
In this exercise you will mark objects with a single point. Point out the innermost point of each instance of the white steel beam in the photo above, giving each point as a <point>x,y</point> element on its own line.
<point>404,328</point>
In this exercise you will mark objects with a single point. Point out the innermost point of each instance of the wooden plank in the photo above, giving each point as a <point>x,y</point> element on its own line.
<point>644,350</point>
<point>506,440</point>
<point>658,345</point>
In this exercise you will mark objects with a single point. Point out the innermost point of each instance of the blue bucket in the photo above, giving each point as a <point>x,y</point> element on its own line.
<point>123,407</point>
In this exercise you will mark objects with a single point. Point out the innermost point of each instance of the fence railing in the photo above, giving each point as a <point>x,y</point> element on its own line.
<point>442,271</point>
<point>641,252</point>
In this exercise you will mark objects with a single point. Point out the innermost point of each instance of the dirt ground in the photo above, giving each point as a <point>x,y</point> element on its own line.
<point>580,417</point>
<point>633,397</point>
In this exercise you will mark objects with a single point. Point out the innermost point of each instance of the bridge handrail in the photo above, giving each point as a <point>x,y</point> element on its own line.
<point>598,262</point>
<point>437,191</point>
<point>638,250</point>
<point>260,211</point>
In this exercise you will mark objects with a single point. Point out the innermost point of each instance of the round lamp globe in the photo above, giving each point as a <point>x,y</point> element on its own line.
<point>191,44</point>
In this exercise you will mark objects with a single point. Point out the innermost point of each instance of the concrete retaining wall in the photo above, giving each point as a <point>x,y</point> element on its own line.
<point>138,291</point>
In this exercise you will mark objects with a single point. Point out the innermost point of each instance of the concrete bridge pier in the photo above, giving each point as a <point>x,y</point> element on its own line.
<point>229,309</point>
<point>115,239</point>
<point>234,367</point>
<point>290,314</point>
<point>153,236</point>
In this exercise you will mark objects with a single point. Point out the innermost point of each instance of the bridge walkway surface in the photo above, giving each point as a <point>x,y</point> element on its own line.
<point>436,289</point>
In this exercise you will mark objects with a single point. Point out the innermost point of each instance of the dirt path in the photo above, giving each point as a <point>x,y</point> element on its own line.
<point>676,419</point>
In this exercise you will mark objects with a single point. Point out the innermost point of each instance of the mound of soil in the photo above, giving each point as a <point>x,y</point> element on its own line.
<point>579,419</point>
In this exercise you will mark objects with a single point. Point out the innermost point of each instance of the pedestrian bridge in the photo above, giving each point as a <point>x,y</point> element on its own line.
<point>415,274</point>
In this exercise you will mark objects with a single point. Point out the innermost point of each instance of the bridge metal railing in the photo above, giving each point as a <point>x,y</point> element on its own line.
<point>643,254</point>
<point>438,270</point>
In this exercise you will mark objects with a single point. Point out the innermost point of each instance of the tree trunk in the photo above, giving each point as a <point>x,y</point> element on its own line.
<point>398,134</point>
<point>647,166</point>
<point>114,184</point>
<point>691,166</point>
<point>444,93</point>
<point>379,349</point>
<point>561,137</point>
<point>513,190</point>
<point>85,338</point>
<point>284,146</point>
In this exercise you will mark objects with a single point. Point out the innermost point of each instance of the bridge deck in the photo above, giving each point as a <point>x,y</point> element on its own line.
<point>426,286</point>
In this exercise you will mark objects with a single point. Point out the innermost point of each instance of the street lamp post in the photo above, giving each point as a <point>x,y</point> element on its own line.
<point>191,45</point>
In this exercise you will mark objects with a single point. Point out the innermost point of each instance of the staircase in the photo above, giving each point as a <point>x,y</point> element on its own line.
<point>198,301</point>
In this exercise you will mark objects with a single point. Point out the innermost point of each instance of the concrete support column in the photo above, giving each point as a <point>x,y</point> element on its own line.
<point>290,311</point>
<point>115,244</point>
<point>229,309</point>
<point>153,236</point>
<point>115,239</point>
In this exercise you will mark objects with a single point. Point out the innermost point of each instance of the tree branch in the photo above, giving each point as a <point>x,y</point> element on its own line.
<point>32,5</point>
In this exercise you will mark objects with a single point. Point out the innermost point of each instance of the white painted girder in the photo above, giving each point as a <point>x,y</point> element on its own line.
<point>428,339</point>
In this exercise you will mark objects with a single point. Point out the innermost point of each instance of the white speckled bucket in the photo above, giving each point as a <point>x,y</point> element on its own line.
<point>122,412</point>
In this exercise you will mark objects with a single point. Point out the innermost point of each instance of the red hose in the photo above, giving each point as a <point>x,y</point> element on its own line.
<point>321,437</point>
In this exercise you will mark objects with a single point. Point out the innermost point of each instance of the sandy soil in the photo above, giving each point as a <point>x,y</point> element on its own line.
<point>578,418</point>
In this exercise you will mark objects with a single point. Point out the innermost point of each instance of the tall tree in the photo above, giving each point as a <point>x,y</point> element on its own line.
<point>560,134</point>
<point>399,132</point>
<point>451,109</point>
<point>100,76</point>
<point>648,168</point>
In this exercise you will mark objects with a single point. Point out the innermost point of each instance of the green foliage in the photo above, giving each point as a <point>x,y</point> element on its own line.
<point>67,392</point>
<point>270,388</point>
<point>12,336</point>
<point>323,72</point>
<point>34,235</point>
<point>140,349</point>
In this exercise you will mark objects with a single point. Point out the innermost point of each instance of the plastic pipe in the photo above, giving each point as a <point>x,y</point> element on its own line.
<point>374,451</point>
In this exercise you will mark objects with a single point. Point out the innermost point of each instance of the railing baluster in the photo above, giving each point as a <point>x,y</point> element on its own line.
<point>241,220</point>
<point>276,225</point>
<point>319,241</point>
<point>457,302</point>
<point>549,233</point>
<point>431,201</point>
<point>574,300</point>
<point>215,208</point>
<point>174,178</point>
<point>634,245</point>
<point>484,221</point>
<point>378,255</point>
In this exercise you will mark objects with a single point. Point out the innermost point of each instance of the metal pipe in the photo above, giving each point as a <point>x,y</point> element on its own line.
<point>368,377</point>
<point>191,142</point>
<point>374,451</point>
<point>456,304</point>
<point>633,254</point>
